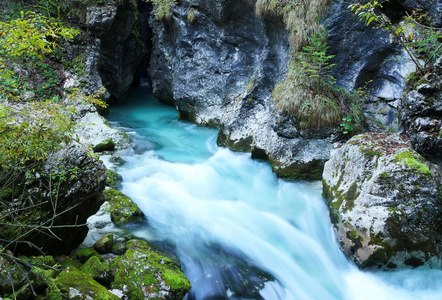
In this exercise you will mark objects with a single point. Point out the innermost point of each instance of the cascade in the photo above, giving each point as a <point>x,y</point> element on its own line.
<point>240,232</point>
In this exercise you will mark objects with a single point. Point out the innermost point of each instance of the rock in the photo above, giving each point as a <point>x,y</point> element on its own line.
<point>104,245</point>
<point>115,50</point>
<point>381,69</point>
<point>220,70</point>
<point>119,248</point>
<point>421,116</point>
<point>68,189</point>
<point>385,202</point>
<point>10,272</point>
<point>99,270</point>
<point>83,254</point>
<point>113,179</point>
<point>142,273</point>
<point>75,284</point>
<point>94,131</point>
<point>106,145</point>
<point>122,209</point>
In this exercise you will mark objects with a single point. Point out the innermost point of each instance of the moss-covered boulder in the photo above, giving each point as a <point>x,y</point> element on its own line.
<point>113,179</point>
<point>147,274</point>
<point>104,244</point>
<point>99,270</point>
<point>385,202</point>
<point>106,145</point>
<point>83,254</point>
<point>122,209</point>
<point>74,284</point>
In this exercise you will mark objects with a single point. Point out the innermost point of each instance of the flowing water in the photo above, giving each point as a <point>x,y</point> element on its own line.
<point>240,232</point>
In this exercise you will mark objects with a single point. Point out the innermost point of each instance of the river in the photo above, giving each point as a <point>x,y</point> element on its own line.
<point>240,232</point>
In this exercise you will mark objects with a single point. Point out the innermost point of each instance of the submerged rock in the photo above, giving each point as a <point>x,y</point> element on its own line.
<point>385,202</point>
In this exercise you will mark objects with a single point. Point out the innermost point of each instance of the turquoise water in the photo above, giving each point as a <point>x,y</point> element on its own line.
<point>240,232</point>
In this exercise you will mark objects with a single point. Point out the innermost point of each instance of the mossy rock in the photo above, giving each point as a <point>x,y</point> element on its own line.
<point>122,209</point>
<point>148,274</point>
<point>74,284</point>
<point>46,260</point>
<point>119,248</point>
<point>113,179</point>
<point>104,245</point>
<point>302,171</point>
<point>10,272</point>
<point>83,254</point>
<point>99,270</point>
<point>413,161</point>
<point>106,145</point>
<point>69,262</point>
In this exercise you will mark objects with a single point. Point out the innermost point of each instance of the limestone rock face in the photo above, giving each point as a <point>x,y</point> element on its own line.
<point>112,47</point>
<point>385,201</point>
<point>421,115</point>
<point>219,63</point>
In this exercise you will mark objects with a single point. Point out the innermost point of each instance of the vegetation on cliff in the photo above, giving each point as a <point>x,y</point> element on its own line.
<point>308,92</point>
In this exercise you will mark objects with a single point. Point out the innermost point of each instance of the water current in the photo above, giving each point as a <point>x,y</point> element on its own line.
<point>240,232</point>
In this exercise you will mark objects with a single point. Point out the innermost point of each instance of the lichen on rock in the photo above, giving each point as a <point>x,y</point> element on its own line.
<point>385,202</point>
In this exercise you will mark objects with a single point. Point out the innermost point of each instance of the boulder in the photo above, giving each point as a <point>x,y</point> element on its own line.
<point>64,191</point>
<point>142,273</point>
<point>74,284</point>
<point>99,270</point>
<point>385,202</point>
<point>104,245</point>
<point>122,209</point>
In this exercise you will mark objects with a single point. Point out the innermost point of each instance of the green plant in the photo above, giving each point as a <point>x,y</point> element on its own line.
<point>346,125</point>
<point>191,16</point>
<point>25,42</point>
<point>162,8</point>
<point>308,93</point>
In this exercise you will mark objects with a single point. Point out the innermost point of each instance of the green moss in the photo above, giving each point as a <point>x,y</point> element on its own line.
<point>69,262</point>
<point>191,17</point>
<point>46,260</point>
<point>99,271</point>
<point>309,171</point>
<point>141,265</point>
<point>350,196</point>
<point>73,278</point>
<point>83,254</point>
<point>113,179</point>
<point>122,209</point>
<point>106,145</point>
<point>384,175</point>
<point>381,256</point>
<point>371,152</point>
<point>351,234</point>
<point>413,161</point>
